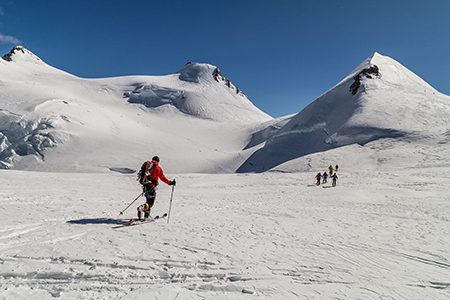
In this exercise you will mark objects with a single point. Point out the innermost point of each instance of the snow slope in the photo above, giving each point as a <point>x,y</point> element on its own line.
<point>53,121</point>
<point>379,99</point>
<point>382,233</point>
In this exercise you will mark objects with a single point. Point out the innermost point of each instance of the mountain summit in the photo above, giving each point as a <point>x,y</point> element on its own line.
<point>379,99</point>
<point>199,90</point>
<point>20,53</point>
<point>52,120</point>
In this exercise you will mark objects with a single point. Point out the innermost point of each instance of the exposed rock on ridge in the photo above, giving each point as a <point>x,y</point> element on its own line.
<point>366,72</point>
<point>219,78</point>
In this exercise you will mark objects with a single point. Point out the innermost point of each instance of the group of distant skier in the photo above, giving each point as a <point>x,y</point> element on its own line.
<point>332,173</point>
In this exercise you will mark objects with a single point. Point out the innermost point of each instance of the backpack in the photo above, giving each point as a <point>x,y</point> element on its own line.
<point>142,174</point>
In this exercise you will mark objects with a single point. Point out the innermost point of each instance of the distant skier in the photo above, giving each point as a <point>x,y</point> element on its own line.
<point>335,177</point>
<point>318,177</point>
<point>325,176</point>
<point>330,168</point>
<point>149,176</point>
<point>336,168</point>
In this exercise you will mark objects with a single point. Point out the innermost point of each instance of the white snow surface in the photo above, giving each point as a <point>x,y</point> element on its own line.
<point>382,233</point>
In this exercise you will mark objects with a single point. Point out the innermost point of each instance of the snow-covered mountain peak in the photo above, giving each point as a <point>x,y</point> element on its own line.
<point>21,54</point>
<point>380,99</point>
<point>195,72</point>
<point>206,73</point>
<point>375,56</point>
<point>48,116</point>
<point>392,75</point>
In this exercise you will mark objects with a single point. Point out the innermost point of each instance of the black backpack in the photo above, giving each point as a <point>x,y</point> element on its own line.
<point>142,174</point>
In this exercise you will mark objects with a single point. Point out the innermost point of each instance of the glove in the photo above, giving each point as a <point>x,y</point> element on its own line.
<point>173,182</point>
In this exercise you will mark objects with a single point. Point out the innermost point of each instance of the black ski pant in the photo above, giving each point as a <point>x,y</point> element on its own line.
<point>150,196</point>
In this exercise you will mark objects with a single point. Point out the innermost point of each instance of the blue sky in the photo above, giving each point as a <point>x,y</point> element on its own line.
<point>283,54</point>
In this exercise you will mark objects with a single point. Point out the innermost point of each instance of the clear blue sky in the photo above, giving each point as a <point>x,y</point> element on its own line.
<point>283,54</point>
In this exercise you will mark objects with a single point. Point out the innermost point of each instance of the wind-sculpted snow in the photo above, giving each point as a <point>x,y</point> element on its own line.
<point>362,136</point>
<point>154,96</point>
<point>194,72</point>
<point>19,137</point>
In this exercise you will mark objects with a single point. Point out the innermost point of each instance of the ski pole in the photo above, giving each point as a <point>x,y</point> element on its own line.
<point>170,206</point>
<point>131,203</point>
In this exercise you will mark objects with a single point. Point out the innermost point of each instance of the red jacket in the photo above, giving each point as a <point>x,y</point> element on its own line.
<point>157,173</point>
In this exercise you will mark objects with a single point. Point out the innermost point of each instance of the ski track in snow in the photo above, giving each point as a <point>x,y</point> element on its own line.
<point>377,235</point>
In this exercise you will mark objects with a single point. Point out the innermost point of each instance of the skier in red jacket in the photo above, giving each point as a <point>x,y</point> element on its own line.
<point>152,173</point>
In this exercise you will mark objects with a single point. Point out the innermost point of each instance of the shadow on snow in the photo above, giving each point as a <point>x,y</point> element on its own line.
<point>93,221</point>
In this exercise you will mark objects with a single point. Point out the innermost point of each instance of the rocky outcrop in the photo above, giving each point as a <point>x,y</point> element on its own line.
<point>219,78</point>
<point>367,72</point>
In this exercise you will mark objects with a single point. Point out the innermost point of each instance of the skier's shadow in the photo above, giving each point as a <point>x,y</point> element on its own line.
<point>314,184</point>
<point>93,221</point>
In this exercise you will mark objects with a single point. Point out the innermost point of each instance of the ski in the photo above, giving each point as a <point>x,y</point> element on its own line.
<point>134,222</point>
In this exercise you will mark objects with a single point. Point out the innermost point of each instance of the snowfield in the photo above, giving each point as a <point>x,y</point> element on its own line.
<point>382,233</point>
